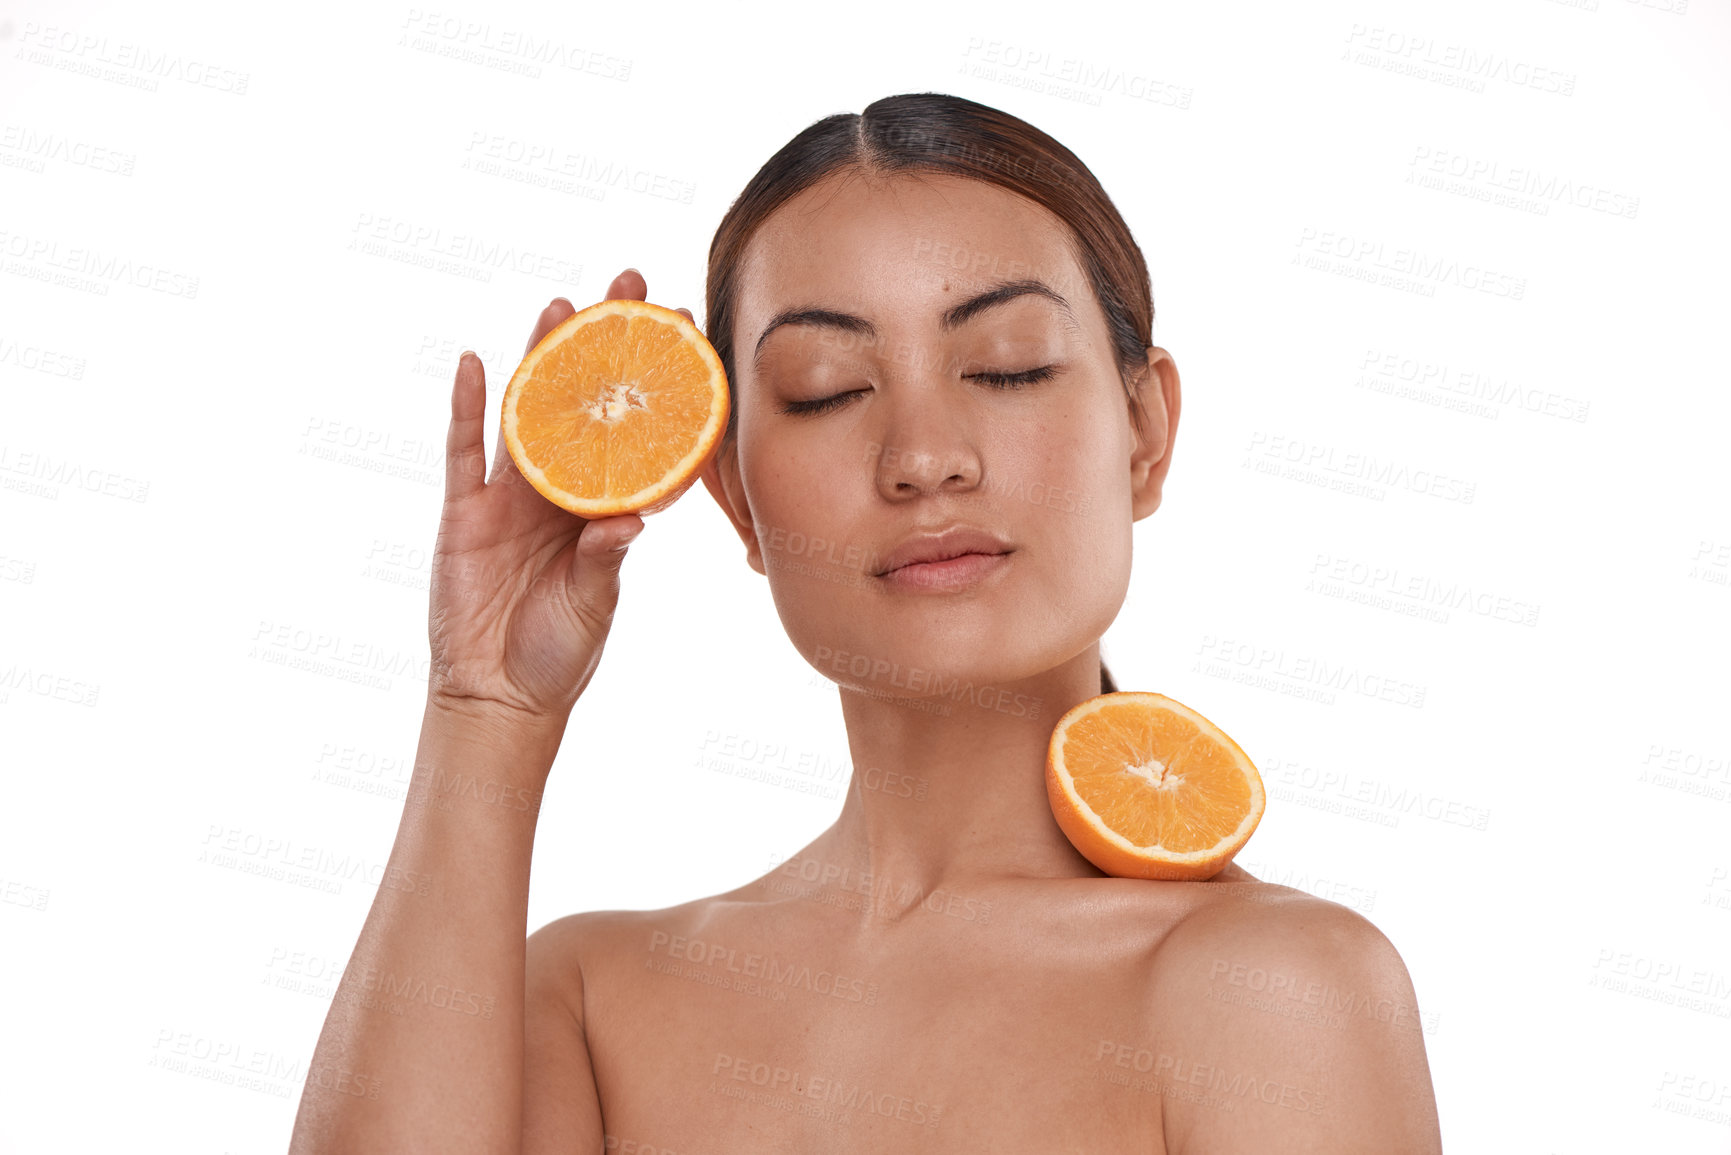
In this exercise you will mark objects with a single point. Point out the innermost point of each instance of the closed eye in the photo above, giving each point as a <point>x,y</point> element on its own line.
<point>991,377</point>
<point>821,404</point>
<point>1015,380</point>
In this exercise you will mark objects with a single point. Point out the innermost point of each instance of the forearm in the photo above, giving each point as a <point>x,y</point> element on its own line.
<point>423,1046</point>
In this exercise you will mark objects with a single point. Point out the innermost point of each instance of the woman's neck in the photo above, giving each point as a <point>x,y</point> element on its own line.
<point>950,790</point>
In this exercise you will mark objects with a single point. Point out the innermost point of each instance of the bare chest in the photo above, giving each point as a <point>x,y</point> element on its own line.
<point>968,1038</point>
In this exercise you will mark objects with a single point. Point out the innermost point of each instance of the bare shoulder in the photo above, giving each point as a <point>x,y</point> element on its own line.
<point>573,971</point>
<point>559,950</point>
<point>561,1099</point>
<point>1287,1021</point>
<point>553,961</point>
<point>1276,926</point>
<point>559,953</point>
<point>555,951</point>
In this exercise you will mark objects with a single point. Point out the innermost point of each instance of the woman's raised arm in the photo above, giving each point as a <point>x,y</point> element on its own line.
<point>423,1048</point>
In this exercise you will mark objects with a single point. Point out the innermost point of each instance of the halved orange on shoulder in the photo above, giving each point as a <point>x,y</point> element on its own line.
<point>616,409</point>
<point>1145,787</point>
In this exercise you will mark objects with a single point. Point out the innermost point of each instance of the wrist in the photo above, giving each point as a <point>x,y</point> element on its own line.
<point>492,712</point>
<point>499,727</point>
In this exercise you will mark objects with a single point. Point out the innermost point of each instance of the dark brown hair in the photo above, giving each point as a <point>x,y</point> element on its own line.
<point>936,132</point>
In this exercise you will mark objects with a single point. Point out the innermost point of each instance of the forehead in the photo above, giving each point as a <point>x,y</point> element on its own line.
<point>899,247</point>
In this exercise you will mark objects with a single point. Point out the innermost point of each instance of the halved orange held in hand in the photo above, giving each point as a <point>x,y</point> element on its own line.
<point>1145,787</point>
<point>616,410</point>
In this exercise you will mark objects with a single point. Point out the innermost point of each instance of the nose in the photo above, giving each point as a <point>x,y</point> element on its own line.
<point>926,447</point>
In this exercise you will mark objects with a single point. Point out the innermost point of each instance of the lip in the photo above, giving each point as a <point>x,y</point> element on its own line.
<point>955,557</point>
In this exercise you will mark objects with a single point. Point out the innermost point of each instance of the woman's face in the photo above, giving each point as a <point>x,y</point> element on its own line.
<point>917,442</point>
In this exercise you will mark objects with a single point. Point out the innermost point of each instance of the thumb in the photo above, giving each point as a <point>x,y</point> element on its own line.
<point>593,587</point>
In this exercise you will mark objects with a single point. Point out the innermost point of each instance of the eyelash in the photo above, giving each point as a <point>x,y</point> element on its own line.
<point>1005,381</point>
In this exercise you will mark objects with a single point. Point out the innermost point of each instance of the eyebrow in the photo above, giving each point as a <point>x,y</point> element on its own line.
<point>952,318</point>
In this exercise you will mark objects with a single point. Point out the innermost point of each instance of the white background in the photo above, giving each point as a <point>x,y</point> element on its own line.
<point>204,481</point>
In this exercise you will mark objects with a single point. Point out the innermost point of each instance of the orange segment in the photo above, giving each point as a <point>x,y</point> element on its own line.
<point>616,410</point>
<point>1145,787</point>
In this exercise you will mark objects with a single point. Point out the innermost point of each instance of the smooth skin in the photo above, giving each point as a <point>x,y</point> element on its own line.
<point>939,969</point>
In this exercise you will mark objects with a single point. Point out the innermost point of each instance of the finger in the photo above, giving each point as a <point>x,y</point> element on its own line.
<point>503,463</point>
<point>628,285</point>
<point>555,312</point>
<point>593,585</point>
<point>465,462</point>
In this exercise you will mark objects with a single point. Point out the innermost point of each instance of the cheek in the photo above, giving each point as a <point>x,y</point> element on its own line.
<point>1071,465</point>
<point>1069,490</point>
<point>802,504</point>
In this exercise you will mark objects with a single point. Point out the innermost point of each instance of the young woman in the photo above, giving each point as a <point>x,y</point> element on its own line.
<point>937,331</point>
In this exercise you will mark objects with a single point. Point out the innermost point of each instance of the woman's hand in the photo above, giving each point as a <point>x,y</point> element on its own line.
<point>523,591</point>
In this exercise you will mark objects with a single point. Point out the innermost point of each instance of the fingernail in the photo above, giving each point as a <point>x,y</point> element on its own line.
<point>627,538</point>
<point>631,271</point>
